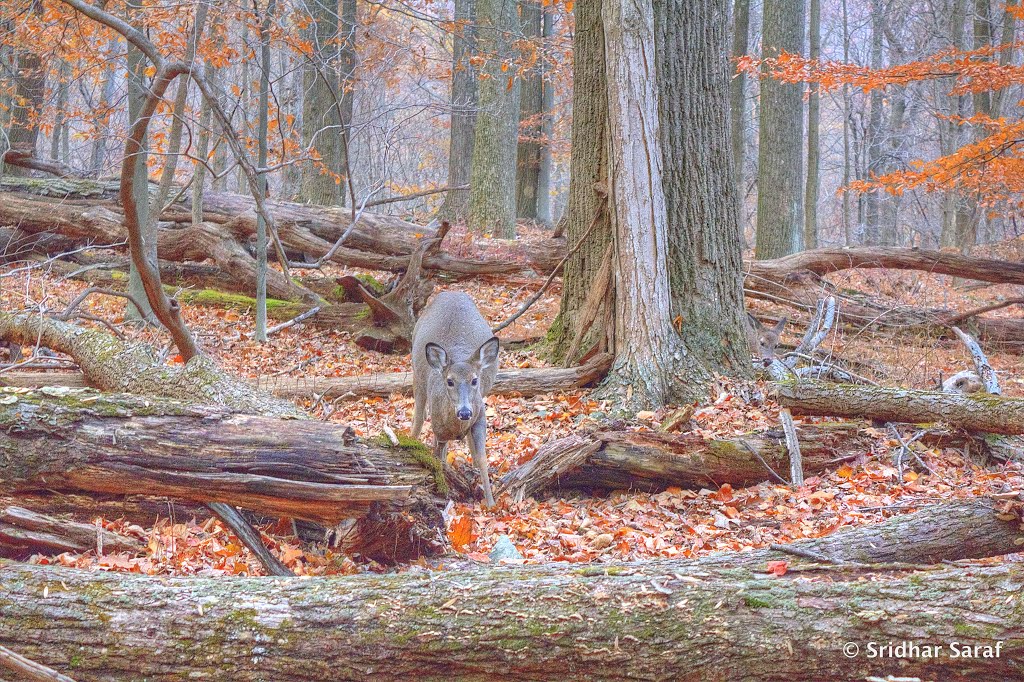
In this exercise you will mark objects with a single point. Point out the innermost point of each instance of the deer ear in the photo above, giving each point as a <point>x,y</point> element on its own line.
<point>754,322</point>
<point>487,353</point>
<point>436,356</point>
<point>781,325</point>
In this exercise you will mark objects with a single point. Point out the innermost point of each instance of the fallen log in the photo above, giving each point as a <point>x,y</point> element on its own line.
<point>717,618</point>
<point>650,461</point>
<point>24,532</point>
<point>114,365</point>
<point>825,261</point>
<point>971,411</point>
<point>81,440</point>
<point>526,382</point>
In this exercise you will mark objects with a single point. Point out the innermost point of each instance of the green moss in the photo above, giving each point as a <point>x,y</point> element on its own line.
<point>756,602</point>
<point>423,455</point>
<point>375,286</point>
<point>76,661</point>
<point>276,308</point>
<point>592,571</point>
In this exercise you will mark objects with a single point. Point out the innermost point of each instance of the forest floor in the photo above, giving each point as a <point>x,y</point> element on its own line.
<point>572,527</point>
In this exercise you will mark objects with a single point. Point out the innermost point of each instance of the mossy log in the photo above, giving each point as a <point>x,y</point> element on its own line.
<point>649,461</point>
<point>971,411</point>
<point>724,617</point>
<point>81,440</point>
<point>115,365</point>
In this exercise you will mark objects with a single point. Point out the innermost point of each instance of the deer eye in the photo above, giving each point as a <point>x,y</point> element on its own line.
<point>451,383</point>
<point>475,380</point>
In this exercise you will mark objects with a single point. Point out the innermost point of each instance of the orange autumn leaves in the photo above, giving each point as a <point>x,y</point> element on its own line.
<point>990,166</point>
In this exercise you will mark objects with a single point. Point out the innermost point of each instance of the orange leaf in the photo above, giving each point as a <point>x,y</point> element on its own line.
<point>461,532</point>
<point>777,567</point>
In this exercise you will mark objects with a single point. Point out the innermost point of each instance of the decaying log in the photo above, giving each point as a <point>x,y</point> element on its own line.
<point>82,440</point>
<point>24,532</point>
<point>721,617</point>
<point>972,411</point>
<point>649,461</point>
<point>527,382</point>
<point>825,261</point>
<point>114,365</point>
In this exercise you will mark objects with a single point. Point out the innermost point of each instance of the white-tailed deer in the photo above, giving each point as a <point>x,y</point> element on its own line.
<point>454,362</point>
<point>763,340</point>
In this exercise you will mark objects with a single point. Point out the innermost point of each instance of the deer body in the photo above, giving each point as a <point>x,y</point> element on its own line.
<point>454,363</point>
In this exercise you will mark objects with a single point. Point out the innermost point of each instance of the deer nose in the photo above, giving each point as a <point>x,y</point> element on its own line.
<point>464,414</point>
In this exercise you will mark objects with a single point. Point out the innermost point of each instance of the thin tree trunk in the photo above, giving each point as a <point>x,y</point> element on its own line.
<point>531,112</point>
<point>262,131</point>
<point>874,136</point>
<point>137,89</point>
<point>813,143</point>
<point>547,129</point>
<point>464,107</point>
<point>321,125</point>
<point>780,159</point>
<point>100,123</point>
<point>738,102</point>
<point>202,152</point>
<point>847,112</point>
<point>954,209</point>
<point>29,91</point>
<point>60,124</point>
<point>492,186</point>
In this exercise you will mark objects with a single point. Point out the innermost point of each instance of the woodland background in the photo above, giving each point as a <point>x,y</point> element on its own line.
<point>218,221</point>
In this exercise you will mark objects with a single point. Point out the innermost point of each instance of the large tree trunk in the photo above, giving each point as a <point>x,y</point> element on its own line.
<point>645,460</point>
<point>29,92</point>
<point>719,618</point>
<point>464,106</point>
<point>586,221</point>
<point>701,194</point>
<point>492,186</point>
<point>80,440</point>
<point>648,351</point>
<point>780,159</point>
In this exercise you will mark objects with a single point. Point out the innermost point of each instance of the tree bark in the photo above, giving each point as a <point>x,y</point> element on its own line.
<point>738,101</point>
<point>586,222</point>
<point>492,185</point>
<point>780,158</point>
<point>464,108</point>
<point>24,532</point>
<point>701,193</point>
<point>321,181</point>
<point>29,91</point>
<point>113,365</point>
<point>80,440</point>
<point>826,261</point>
<point>971,411</point>
<point>718,618</point>
<point>531,113</point>
<point>648,350</point>
<point>649,461</point>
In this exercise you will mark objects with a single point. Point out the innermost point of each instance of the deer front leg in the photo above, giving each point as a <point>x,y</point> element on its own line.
<point>477,440</point>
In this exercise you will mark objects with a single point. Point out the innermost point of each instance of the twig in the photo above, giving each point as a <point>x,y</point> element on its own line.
<point>294,321</point>
<point>760,459</point>
<point>905,447</point>
<point>796,462</point>
<point>28,669</point>
<point>558,268</point>
<point>249,536</point>
<point>957,319</point>
<point>415,195</point>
